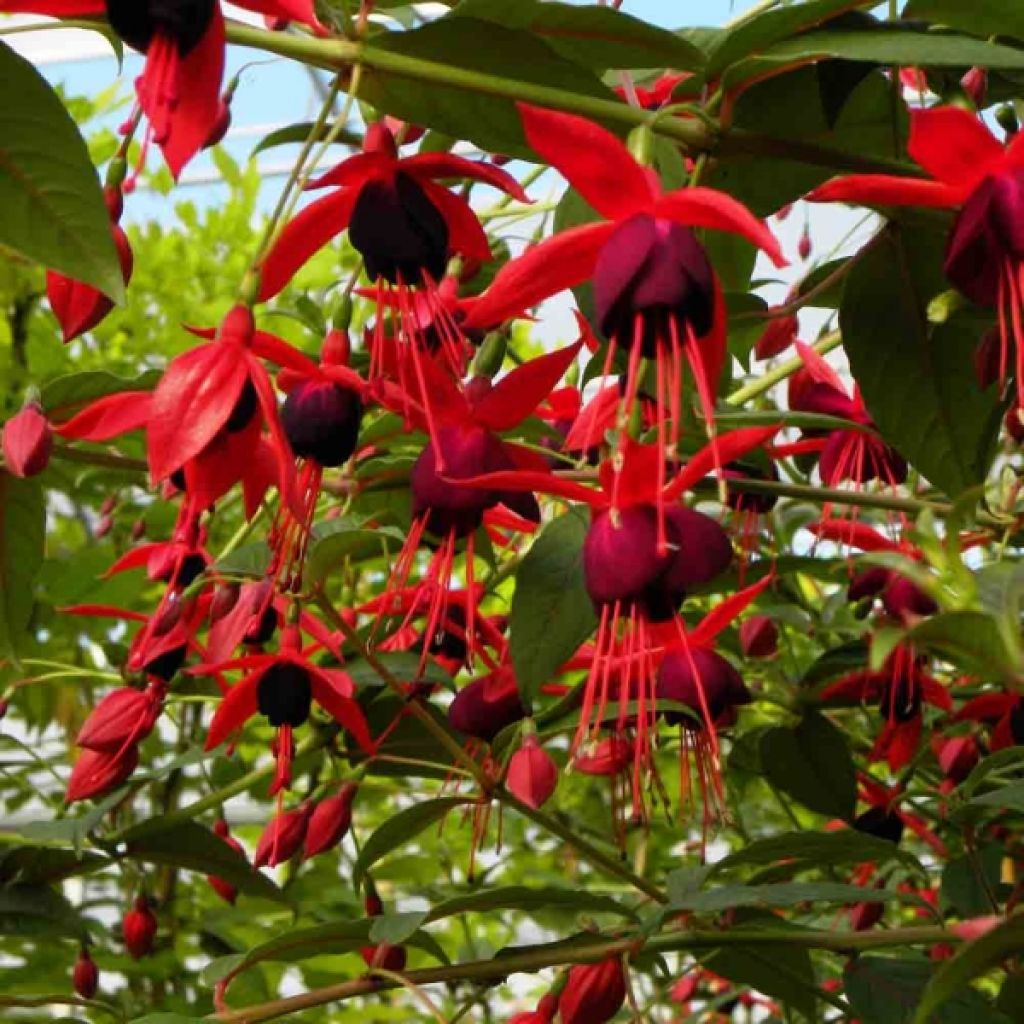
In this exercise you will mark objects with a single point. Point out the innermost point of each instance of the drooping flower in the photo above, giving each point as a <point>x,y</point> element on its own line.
<point>532,774</point>
<point>85,977</point>
<point>96,772</point>
<point>971,171</point>
<point>406,226</point>
<point>283,836</point>
<point>329,821</point>
<point>221,886</point>
<point>1004,712</point>
<point>593,993</point>
<point>139,928</point>
<point>184,44</point>
<point>857,455</point>
<point>485,706</point>
<point>654,288</point>
<point>759,637</point>
<point>282,687</point>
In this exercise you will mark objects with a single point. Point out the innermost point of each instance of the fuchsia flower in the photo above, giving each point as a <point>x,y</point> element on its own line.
<point>901,689</point>
<point>85,978</point>
<point>27,442</point>
<point>655,290</point>
<point>971,171</point>
<point>139,927</point>
<point>856,455</point>
<point>283,687</point>
<point>183,40</point>
<point>1004,712</point>
<point>329,821</point>
<point>282,837</point>
<point>532,774</point>
<point>593,993</point>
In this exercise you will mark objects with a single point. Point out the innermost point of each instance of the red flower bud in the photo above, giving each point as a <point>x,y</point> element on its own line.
<point>532,774</point>
<point>85,977</point>
<point>958,756</point>
<point>544,1014</point>
<point>385,956</point>
<point>220,126</point>
<point>593,993</point>
<point>783,212</point>
<point>864,916</point>
<point>225,890</point>
<point>804,245</point>
<point>759,637</point>
<point>139,927</point>
<point>777,336</point>
<point>27,442</point>
<point>282,837</point>
<point>98,771</point>
<point>975,84</point>
<point>607,757</point>
<point>330,821</point>
<point>125,716</point>
<point>79,307</point>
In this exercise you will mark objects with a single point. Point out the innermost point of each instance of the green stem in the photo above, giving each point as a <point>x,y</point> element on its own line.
<point>779,373</point>
<point>103,459</point>
<point>533,960</point>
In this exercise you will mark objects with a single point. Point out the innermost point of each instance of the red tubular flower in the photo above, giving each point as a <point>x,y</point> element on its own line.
<point>27,442</point>
<point>759,637</point>
<point>780,333</point>
<point>655,290</point>
<point>85,977</point>
<point>543,1014</point>
<point>329,821</point>
<point>487,705</point>
<point>124,717</point>
<point>139,928</point>
<point>184,44</point>
<point>224,889</point>
<point>593,993</point>
<point>857,455</point>
<point>98,771</point>
<point>77,306</point>
<point>1004,711</point>
<point>283,688</point>
<point>973,172</point>
<point>532,774</point>
<point>283,836</point>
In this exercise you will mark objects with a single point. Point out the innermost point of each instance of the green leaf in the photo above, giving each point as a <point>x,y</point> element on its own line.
<point>1008,798</point>
<point>396,928</point>
<point>812,764</point>
<point>805,850</point>
<point>187,844</point>
<point>62,395</point>
<point>39,912</point>
<point>54,211</point>
<point>25,863</point>
<point>401,828</point>
<point>917,379</point>
<point>295,134</point>
<point>460,44</point>
<point>22,531</point>
<point>598,37</point>
<point>338,539</point>
<point>967,881</point>
<point>971,640</point>
<point>887,990</point>
<point>991,18</point>
<point>528,898</point>
<point>782,894</point>
<point>752,35</point>
<point>551,611</point>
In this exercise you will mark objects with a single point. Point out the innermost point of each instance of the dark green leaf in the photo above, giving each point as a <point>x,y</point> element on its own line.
<point>812,764</point>
<point>295,134</point>
<point>39,912</point>
<point>187,844</point>
<point>54,211</point>
<point>339,539</point>
<point>22,525</point>
<point>469,44</point>
<point>528,898</point>
<point>1008,798</point>
<point>551,612</point>
<point>917,378</point>
<point>401,828</point>
<point>61,396</point>
<point>971,640</point>
<point>782,894</point>
<point>968,881</point>
<point>25,863</point>
<point>396,928</point>
<point>991,18</point>
<point>598,37</point>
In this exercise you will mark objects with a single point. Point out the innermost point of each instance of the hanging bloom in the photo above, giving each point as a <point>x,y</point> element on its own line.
<point>97,772</point>
<point>532,774</point>
<point>85,977</point>
<point>759,637</point>
<point>283,836</point>
<point>184,44</point>
<point>283,687</point>
<point>27,441</point>
<point>643,552</point>
<point>593,993</point>
<point>139,928</point>
<point>1003,711</point>
<point>858,455</point>
<point>485,706</point>
<point>971,171</point>
<point>901,689</point>
<point>655,291</point>
<point>329,821</point>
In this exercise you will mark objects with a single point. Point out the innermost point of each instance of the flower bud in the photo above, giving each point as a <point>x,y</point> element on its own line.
<point>804,246</point>
<point>282,837</point>
<point>139,928</point>
<point>27,442</point>
<point>958,756</point>
<point>777,336</point>
<point>98,771</point>
<point>532,774</point>
<point>385,955</point>
<point>975,84</point>
<point>544,1014</point>
<point>330,821</point>
<point>759,637</point>
<point>85,977</point>
<point>124,716</point>
<point>593,993</point>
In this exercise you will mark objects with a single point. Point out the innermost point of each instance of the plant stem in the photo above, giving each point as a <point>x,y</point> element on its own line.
<point>105,460</point>
<point>768,380</point>
<point>597,949</point>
